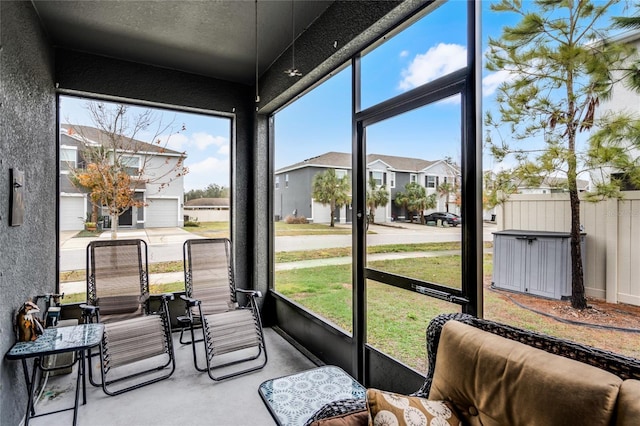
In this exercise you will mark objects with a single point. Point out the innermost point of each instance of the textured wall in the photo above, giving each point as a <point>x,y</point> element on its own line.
<point>27,142</point>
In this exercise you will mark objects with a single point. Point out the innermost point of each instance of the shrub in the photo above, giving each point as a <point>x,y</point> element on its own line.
<point>295,220</point>
<point>192,222</point>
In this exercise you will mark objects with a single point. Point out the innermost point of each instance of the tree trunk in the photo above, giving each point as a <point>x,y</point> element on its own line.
<point>578,298</point>
<point>332,208</point>
<point>114,226</point>
<point>94,213</point>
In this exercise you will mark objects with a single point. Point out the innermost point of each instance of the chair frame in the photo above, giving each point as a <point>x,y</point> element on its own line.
<point>199,321</point>
<point>91,313</point>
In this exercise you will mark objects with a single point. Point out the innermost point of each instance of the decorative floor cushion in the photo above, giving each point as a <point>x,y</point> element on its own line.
<point>387,408</point>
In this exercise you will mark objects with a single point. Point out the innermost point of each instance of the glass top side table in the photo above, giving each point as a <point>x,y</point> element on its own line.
<point>77,338</point>
<point>293,399</point>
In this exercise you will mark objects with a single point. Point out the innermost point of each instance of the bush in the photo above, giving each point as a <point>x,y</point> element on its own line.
<point>193,223</point>
<point>295,220</point>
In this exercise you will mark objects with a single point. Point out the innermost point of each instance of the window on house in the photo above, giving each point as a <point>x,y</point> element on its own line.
<point>277,182</point>
<point>392,179</point>
<point>340,173</point>
<point>413,178</point>
<point>68,158</point>
<point>286,180</point>
<point>431,181</point>
<point>131,164</point>
<point>378,177</point>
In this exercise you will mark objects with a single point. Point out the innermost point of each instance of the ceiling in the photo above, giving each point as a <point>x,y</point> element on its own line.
<point>210,38</point>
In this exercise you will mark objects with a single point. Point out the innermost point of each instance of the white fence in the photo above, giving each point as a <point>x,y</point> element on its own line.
<point>612,237</point>
<point>207,215</point>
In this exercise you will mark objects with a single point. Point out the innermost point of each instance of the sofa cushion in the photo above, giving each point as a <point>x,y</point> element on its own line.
<point>388,408</point>
<point>496,381</point>
<point>628,411</point>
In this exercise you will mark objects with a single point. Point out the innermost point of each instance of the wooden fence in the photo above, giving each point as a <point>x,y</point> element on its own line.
<point>612,237</point>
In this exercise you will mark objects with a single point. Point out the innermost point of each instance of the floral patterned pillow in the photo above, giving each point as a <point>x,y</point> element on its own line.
<point>392,409</point>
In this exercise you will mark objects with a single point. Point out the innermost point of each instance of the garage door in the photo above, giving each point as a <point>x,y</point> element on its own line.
<point>72,213</point>
<point>161,213</point>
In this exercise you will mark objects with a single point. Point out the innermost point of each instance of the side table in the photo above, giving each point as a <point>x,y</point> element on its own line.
<point>293,399</point>
<point>77,338</point>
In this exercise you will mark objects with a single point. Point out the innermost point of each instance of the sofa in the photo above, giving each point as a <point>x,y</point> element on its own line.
<point>489,373</point>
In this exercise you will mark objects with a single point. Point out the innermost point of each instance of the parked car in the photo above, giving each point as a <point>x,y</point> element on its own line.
<point>451,218</point>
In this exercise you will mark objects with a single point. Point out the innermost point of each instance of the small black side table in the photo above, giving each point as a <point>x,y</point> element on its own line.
<point>77,338</point>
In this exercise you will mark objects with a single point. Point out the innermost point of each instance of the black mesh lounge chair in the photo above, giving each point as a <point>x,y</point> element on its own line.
<point>136,348</point>
<point>231,334</point>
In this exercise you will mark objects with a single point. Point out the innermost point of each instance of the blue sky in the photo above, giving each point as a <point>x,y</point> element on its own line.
<point>320,121</point>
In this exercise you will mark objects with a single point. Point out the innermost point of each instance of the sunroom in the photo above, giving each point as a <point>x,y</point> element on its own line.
<point>247,62</point>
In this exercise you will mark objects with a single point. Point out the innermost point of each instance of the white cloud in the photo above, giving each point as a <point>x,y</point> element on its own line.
<point>199,141</point>
<point>404,53</point>
<point>491,82</point>
<point>205,172</point>
<point>436,62</point>
<point>177,142</point>
<point>203,140</point>
<point>224,150</point>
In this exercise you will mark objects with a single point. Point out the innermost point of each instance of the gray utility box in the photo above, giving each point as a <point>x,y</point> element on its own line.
<point>534,262</point>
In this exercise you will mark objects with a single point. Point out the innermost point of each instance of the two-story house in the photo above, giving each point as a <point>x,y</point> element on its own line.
<point>159,188</point>
<point>293,192</point>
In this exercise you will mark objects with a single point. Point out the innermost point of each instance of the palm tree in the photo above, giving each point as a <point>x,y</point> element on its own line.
<point>329,189</point>
<point>415,199</point>
<point>376,197</point>
<point>445,189</point>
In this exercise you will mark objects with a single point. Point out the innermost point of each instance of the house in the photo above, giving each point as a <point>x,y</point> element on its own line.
<point>625,100</point>
<point>162,197</point>
<point>293,189</point>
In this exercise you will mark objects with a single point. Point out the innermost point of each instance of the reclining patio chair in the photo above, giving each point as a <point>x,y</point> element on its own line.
<point>136,349</point>
<point>231,334</point>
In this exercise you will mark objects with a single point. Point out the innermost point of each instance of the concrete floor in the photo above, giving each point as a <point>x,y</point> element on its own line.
<point>187,397</point>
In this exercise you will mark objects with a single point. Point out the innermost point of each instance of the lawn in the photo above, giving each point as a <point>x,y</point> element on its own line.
<point>397,318</point>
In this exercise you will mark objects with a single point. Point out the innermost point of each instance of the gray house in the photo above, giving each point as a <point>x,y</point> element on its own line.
<point>293,185</point>
<point>162,197</point>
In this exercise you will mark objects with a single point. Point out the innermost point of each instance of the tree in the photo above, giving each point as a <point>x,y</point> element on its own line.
<point>213,190</point>
<point>559,64</point>
<point>329,189</point>
<point>414,199</point>
<point>444,190</point>
<point>111,175</point>
<point>376,197</point>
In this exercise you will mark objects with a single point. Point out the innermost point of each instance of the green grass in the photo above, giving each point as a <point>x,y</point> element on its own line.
<point>153,289</point>
<point>396,318</point>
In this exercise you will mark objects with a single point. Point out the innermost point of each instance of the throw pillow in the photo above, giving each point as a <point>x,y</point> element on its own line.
<point>356,418</point>
<point>387,408</point>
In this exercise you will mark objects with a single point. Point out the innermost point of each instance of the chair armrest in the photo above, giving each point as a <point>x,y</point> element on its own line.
<point>250,293</point>
<point>190,301</point>
<point>90,311</point>
<point>163,296</point>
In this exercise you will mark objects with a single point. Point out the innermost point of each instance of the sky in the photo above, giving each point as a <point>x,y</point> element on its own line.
<point>320,121</point>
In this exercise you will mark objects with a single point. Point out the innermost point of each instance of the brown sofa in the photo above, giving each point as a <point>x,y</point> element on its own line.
<point>494,374</point>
